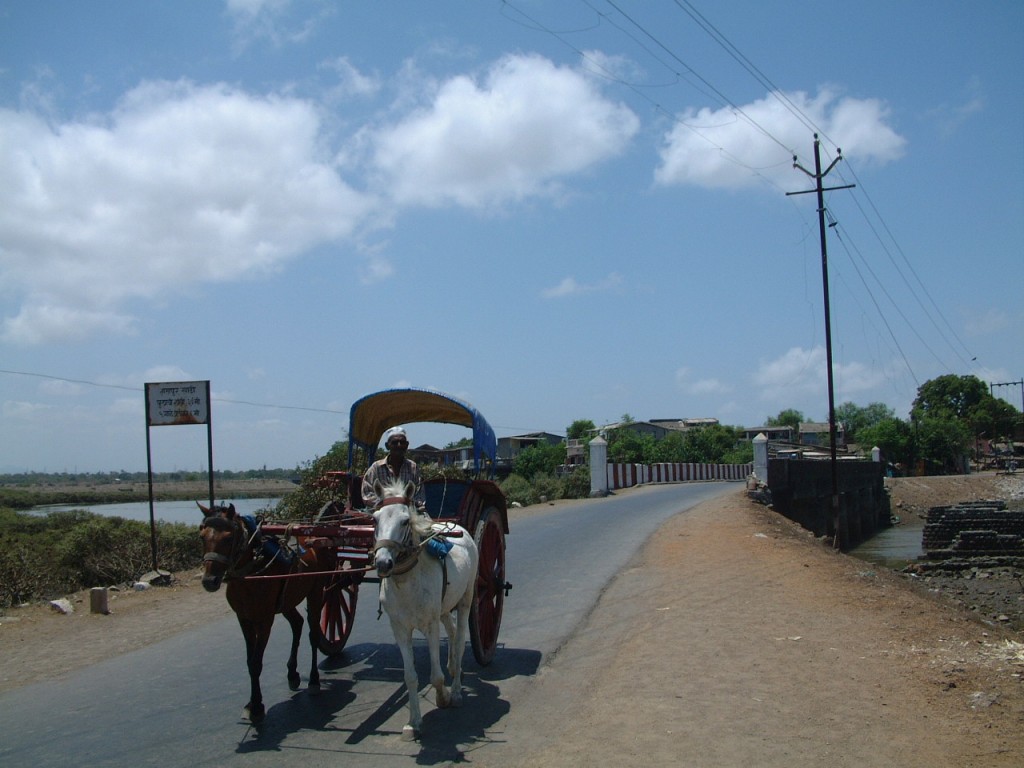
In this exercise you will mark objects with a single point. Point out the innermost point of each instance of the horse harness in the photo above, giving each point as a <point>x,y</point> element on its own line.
<point>263,551</point>
<point>408,552</point>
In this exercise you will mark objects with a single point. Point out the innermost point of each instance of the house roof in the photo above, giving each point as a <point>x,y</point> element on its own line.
<point>532,436</point>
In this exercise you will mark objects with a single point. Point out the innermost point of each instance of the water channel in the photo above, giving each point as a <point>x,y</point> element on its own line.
<point>168,511</point>
<point>894,547</point>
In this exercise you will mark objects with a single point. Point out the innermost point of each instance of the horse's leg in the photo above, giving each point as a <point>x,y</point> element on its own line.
<point>442,697</point>
<point>314,606</point>
<point>403,638</point>
<point>457,645</point>
<point>295,620</point>
<point>449,631</point>
<point>256,635</point>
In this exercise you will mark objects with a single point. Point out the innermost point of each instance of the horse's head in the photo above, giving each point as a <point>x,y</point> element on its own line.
<point>399,526</point>
<point>223,542</point>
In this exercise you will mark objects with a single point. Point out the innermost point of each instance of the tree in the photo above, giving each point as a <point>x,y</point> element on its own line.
<point>893,436</point>
<point>942,442</point>
<point>628,447</point>
<point>968,400</point>
<point>994,418</point>
<point>787,418</point>
<point>950,394</point>
<point>709,444</point>
<point>579,429</point>
<point>856,419</point>
<point>539,458</point>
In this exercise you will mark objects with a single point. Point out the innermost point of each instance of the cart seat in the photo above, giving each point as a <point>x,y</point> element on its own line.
<point>444,497</point>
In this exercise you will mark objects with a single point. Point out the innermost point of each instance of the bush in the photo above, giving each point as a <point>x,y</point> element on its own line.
<point>546,487</point>
<point>518,490</point>
<point>577,484</point>
<point>105,551</point>
<point>27,574</point>
<point>178,546</point>
<point>45,556</point>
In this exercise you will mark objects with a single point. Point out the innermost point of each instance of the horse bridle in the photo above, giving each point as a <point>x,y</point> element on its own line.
<point>406,551</point>
<point>239,543</point>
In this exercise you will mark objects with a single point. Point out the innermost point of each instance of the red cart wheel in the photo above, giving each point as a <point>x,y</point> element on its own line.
<point>485,615</point>
<point>338,613</point>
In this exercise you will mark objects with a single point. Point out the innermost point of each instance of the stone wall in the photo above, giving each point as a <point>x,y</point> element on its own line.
<point>801,489</point>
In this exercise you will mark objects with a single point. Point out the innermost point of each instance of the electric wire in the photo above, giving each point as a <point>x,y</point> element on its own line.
<point>136,389</point>
<point>779,94</point>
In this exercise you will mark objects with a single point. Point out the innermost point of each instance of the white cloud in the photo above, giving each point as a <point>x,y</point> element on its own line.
<point>987,321</point>
<point>570,287</point>
<point>513,136</point>
<point>708,386</point>
<point>23,411</point>
<point>269,20</point>
<point>799,373</point>
<point>179,184</point>
<point>722,149</point>
<point>60,388</point>
<point>376,269</point>
<point>351,82</point>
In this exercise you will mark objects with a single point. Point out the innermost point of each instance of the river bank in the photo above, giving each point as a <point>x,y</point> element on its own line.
<point>18,496</point>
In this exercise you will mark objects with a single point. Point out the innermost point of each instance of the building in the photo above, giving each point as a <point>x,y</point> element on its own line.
<point>782,433</point>
<point>510,447</point>
<point>817,433</point>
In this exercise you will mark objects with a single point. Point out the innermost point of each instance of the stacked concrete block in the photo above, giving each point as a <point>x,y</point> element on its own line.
<point>974,529</point>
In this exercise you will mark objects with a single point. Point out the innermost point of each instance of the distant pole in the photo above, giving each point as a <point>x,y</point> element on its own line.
<point>818,175</point>
<point>992,386</point>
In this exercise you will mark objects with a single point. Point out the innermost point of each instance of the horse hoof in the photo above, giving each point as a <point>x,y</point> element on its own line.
<point>408,733</point>
<point>443,698</point>
<point>456,700</point>
<point>254,714</point>
<point>294,681</point>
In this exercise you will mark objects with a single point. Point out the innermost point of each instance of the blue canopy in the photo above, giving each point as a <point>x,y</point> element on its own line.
<point>370,416</point>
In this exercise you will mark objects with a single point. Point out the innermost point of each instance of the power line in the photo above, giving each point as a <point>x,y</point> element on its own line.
<point>139,389</point>
<point>706,87</point>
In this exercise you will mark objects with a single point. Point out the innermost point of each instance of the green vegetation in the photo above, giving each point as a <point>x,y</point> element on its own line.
<point>546,487</point>
<point>45,556</point>
<point>713,444</point>
<point>948,416</point>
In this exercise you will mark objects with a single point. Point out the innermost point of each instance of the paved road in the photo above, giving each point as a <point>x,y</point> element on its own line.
<point>178,703</point>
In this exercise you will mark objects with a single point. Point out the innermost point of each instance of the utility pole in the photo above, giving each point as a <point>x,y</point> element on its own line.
<point>992,386</point>
<point>818,176</point>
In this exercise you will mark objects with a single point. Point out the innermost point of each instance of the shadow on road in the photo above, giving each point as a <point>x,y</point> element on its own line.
<point>448,734</point>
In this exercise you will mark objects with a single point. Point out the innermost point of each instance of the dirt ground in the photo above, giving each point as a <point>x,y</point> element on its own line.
<point>734,638</point>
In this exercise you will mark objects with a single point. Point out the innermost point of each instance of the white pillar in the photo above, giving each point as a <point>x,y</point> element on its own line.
<point>876,454</point>
<point>761,457</point>
<point>598,467</point>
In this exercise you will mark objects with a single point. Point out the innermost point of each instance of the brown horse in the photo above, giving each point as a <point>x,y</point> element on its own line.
<point>231,553</point>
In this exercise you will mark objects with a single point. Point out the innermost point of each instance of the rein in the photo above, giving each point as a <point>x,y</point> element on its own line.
<point>254,567</point>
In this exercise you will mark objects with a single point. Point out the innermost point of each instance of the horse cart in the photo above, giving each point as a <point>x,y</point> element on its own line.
<point>344,529</point>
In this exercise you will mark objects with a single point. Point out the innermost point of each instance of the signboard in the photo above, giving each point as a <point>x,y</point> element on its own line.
<point>177,402</point>
<point>169,404</point>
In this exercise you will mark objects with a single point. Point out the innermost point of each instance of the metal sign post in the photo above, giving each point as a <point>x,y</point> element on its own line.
<point>171,404</point>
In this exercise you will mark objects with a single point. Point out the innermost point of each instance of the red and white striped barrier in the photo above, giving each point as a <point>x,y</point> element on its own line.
<point>628,475</point>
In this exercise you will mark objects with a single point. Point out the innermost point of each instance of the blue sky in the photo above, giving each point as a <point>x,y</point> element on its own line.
<point>556,211</point>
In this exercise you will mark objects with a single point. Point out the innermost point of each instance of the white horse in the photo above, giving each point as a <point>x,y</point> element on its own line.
<point>420,591</point>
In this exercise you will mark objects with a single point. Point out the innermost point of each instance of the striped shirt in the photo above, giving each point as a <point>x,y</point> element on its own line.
<point>381,472</point>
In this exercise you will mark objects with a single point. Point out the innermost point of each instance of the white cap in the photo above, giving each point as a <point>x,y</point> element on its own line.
<point>394,432</point>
